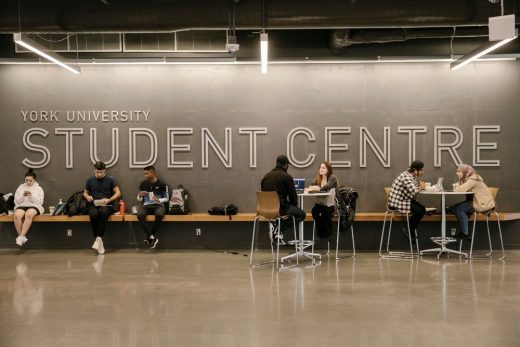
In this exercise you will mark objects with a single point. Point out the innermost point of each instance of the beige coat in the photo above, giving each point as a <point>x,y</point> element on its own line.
<point>482,198</point>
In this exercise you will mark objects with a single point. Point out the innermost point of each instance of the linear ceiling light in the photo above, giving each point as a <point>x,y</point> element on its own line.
<point>44,52</point>
<point>501,31</point>
<point>263,52</point>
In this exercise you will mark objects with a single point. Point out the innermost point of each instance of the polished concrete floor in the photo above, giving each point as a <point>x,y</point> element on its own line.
<point>172,298</point>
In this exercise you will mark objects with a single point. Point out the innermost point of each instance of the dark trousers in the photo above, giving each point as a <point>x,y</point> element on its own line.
<point>158,211</point>
<point>323,218</point>
<point>99,217</point>
<point>299,216</point>
<point>418,212</point>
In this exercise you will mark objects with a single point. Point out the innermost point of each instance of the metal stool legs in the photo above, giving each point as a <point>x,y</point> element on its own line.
<point>275,260</point>
<point>489,236</point>
<point>393,254</point>
<point>337,241</point>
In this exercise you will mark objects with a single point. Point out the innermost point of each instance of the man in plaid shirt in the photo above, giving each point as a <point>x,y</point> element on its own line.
<point>402,195</point>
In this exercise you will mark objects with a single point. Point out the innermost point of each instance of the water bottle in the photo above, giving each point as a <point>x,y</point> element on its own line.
<point>121,208</point>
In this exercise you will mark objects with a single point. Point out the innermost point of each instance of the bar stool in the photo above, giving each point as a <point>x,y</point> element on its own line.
<point>268,210</point>
<point>395,213</point>
<point>487,214</point>
<point>340,217</point>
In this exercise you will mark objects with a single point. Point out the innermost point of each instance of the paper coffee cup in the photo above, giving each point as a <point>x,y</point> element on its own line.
<point>455,186</point>
<point>51,209</point>
<point>428,185</point>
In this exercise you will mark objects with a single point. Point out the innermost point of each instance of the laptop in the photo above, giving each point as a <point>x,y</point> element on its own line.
<point>438,185</point>
<point>299,185</point>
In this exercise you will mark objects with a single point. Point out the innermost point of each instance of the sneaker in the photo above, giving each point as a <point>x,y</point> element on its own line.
<point>101,248</point>
<point>276,238</point>
<point>19,241</point>
<point>95,245</point>
<point>272,228</point>
<point>153,242</point>
<point>24,239</point>
<point>462,236</point>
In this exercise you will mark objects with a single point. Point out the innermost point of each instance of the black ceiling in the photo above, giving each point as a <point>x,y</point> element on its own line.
<point>331,26</point>
<point>164,16</point>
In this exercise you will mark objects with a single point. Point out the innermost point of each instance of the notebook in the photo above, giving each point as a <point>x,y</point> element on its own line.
<point>299,184</point>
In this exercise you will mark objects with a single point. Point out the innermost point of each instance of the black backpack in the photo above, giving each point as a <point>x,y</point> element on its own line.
<point>76,204</point>
<point>228,210</point>
<point>346,202</point>
<point>179,200</point>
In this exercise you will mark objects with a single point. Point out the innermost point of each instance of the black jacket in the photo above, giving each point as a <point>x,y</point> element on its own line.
<point>278,180</point>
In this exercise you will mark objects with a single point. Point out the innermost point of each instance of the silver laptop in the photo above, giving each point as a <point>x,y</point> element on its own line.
<point>438,185</point>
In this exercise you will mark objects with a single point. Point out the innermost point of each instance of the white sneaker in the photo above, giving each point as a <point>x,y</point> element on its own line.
<point>24,239</point>
<point>101,248</point>
<point>19,241</point>
<point>95,245</point>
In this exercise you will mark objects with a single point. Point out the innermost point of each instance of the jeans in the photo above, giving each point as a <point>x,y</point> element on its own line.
<point>158,211</point>
<point>99,218</point>
<point>461,210</point>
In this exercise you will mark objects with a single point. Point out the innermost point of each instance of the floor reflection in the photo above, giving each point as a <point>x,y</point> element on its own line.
<point>210,299</point>
<point>27,295</point>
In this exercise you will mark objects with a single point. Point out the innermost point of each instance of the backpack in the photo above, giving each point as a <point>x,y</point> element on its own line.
<point>228,210</point>
<point>6,202</point>
<point>346,202</point>
<point>76,204</point>
<point>179,200</point>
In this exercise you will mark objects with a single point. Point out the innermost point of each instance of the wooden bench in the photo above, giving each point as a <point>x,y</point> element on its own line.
<point>248,217</point>
<point>49,218</point>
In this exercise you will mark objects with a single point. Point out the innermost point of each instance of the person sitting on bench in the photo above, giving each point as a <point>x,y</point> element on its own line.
<point>101,192</point>
<point>28,200</point>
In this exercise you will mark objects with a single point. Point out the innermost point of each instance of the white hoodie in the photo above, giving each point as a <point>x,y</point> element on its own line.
<point>34,200</point>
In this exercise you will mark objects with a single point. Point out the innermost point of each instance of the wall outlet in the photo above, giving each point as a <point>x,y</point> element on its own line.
<point>69,232</point>
<point>198,232</point>
<point>453,231</point>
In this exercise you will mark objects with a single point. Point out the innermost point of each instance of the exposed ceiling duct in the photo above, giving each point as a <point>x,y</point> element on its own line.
<point>341,38</point>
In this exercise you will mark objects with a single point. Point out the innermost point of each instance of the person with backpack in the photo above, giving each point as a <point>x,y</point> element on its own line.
<point>153,194</point>
<point>28,200</point>
<point>322,211</point>
<point>101,192</point>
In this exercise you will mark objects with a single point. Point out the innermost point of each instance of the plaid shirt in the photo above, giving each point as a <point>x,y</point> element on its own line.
<point>403,192</point>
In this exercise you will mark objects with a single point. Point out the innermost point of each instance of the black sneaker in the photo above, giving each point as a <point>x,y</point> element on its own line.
<point>154,242</point>
<point>462,236</point>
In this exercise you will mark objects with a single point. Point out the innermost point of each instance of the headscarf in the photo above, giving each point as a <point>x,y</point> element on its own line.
<point>467,172</point>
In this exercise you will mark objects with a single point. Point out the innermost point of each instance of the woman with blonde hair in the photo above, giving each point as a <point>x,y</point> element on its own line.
<point>323,209</point>
<point>482,200</point>
<point>28,201</point>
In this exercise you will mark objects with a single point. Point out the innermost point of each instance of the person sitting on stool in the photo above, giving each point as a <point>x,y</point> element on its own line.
<point>402,196</point>
<point>323,210</point>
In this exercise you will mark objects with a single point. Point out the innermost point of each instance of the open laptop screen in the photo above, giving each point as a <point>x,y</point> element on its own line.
<point>299,184</point>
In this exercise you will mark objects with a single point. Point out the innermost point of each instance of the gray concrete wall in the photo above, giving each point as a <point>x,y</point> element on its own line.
<point>237,97</point>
